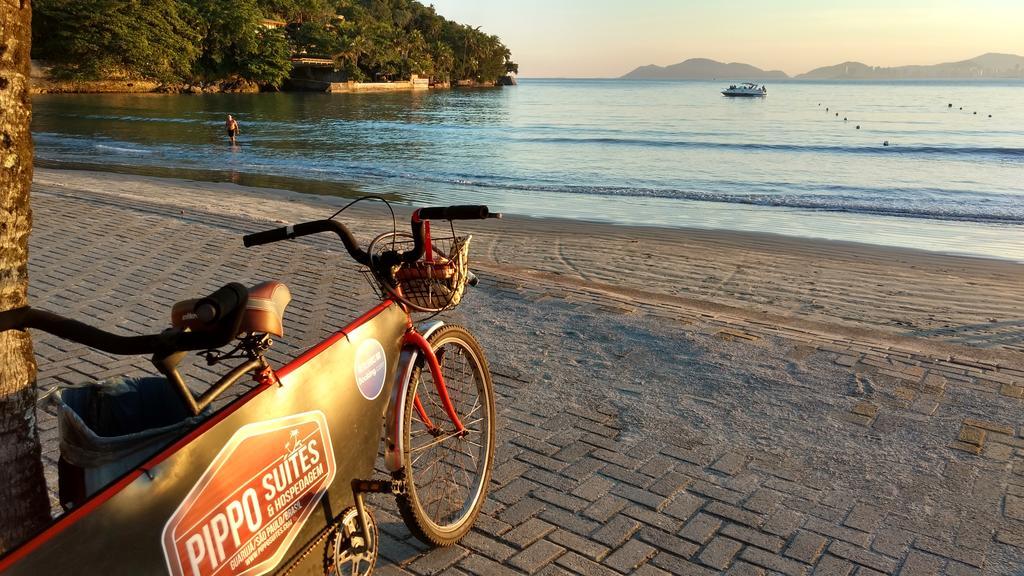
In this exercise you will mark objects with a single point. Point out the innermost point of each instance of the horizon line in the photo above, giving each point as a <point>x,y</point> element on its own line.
<point>793,76</point>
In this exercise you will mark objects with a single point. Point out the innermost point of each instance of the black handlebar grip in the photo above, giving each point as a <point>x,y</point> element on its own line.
<point>267,236</point>
<point>472,212</point>
<point>221,303</point>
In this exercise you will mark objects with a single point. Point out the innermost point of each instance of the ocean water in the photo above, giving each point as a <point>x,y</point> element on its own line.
<point>661,153</point>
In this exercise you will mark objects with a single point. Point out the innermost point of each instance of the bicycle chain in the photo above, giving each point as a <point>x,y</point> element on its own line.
<point>325,533</point>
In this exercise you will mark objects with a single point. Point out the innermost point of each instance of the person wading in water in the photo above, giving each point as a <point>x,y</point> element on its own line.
<point>232,126</point>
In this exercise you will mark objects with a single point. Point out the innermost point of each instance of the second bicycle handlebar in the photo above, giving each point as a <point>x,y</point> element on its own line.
<point>307,228</point>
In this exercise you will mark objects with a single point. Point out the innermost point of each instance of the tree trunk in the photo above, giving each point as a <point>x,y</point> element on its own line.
<point>24,503</point>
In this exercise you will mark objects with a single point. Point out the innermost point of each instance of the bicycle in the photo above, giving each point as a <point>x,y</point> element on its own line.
<point>274,481</point>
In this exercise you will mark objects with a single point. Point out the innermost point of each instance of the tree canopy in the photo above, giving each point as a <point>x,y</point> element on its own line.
<point>203,41</point>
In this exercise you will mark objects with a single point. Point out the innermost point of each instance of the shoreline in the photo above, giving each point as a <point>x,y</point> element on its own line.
<point>901,292</point>
<point>308,188</point>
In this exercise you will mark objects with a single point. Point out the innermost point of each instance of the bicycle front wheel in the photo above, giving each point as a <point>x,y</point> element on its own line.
<point>447,473</point>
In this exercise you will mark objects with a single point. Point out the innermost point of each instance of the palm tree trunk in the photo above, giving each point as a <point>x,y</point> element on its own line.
<point>25,504</point>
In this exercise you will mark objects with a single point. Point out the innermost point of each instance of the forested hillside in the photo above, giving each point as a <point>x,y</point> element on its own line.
<point>207,41</point>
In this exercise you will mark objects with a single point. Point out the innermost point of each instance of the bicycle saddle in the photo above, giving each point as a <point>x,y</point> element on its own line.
<point>264,310</point>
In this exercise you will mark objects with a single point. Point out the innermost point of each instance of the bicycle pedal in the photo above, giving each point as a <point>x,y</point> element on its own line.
<point>379,486</point>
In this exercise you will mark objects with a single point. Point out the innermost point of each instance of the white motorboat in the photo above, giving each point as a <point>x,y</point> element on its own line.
<point>745,89</point>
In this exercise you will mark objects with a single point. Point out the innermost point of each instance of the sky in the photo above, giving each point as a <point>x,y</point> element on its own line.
<point>608,38</point>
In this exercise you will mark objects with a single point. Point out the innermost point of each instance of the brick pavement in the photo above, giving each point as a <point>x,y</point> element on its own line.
<point>575,489</point>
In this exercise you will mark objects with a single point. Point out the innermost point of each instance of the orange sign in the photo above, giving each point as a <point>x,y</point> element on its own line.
<point>249,505</point>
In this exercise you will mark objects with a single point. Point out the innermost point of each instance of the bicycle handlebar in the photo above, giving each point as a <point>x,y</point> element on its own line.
<point>305,229</point>
<point>225,324</point>
<point>388,259</point>
<point>221,303</point>
<point>470,212</point>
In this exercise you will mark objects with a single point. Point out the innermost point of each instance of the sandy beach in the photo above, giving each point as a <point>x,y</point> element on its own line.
<point>673,400</point>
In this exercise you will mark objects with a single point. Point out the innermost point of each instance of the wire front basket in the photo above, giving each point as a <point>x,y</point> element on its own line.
<point>432,284</point>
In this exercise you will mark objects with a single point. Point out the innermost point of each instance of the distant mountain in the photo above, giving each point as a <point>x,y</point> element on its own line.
<point>985,66</point>
<point>704,69</point>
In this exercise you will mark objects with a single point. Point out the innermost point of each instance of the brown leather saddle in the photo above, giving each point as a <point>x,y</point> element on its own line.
<point>264,311</point>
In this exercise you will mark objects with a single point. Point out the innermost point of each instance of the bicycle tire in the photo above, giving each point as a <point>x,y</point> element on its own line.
<point>447,476</point>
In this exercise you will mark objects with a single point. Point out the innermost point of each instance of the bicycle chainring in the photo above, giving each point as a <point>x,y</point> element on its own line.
<point>347,552</point>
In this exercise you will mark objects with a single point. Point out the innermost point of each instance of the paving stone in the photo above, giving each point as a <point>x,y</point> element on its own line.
<point>670,484</point>
<point>484,544</point>
<point>832,566</point>
<point>397,551</point>
<point>701,528</point>
<point>519,512</point>
<point>763,501</point>
<point>730,463</point>
<point>972,435</point>
<point>773,562</point>
<point>954,568</point>
<point>528,532</point>
<point>1011,391</point>
<point>719,553</point>
<point>583,468</point>
<point>753,537</point>
<point>569,521</point>
<point>921,564</point>
<point>491,525</point>
<point>560,499</point>
<point>640,496</point>
<point>550,479</point>
<point>676,565</point>
<point>806,547</point>
<point>438,559</point>
<point>1010,537</point>
<point>683,505</point>
<point>514,491</point>
<point>1013,507</point>
<point>865,517</point>
<point>578,564</point>
<point>716,492</point>
<point>630,555</point>
<point>735,514</point>
<point>545,462</point>
<point>653,519</point>
<point>989,426</point>
<point>593,488</point>
<point>668,542</point>
<point>650,570</point>
<point>783,523</point>
<point>862,557</point>
<point>390,570</point>
<point>866,409</point>
<point>536,556</point>
<point>966,447</point>
<point>793,489</point>
<point>616,531</point>
<point>627,476</point>
<point>892,541</point>
<point>741,568</point>
<point>845,534</point>
<point>482,565</point>
<point>581,545</point>
<point>605,507</point>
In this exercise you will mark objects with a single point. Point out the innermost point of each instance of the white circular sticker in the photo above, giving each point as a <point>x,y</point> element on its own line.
<point>370,368</point>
